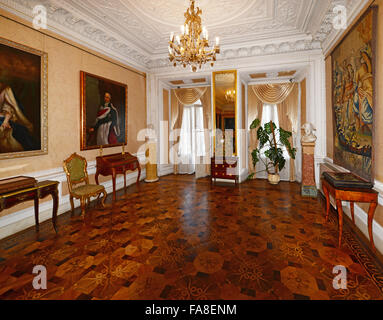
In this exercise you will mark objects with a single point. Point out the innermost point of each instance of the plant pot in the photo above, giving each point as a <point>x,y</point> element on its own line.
<point>274,178</point>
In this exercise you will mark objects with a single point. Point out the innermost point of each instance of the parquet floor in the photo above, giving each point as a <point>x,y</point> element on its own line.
<point>185,239</point>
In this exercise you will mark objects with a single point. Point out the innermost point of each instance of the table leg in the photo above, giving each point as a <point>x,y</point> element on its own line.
<point>371,212</point>
<point>139,173</point>
<point>340,215</point>
<point>114,183</point>
<point>327,195</point>
<point>55,196</point>
<point>36,200</point>
<point>352,208</point>
<point>96,177</point>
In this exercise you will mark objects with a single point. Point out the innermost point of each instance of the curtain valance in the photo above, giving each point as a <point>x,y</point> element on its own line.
<point>273,93</point>
<point>189,96</point>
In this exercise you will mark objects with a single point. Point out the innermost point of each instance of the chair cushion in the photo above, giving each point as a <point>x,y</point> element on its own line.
<point>87,189</point>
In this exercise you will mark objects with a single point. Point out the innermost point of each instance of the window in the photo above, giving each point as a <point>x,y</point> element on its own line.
<point>192,141</point>
<point>270,113</point>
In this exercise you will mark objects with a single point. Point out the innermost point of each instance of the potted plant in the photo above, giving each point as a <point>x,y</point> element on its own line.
<point>272,156</point>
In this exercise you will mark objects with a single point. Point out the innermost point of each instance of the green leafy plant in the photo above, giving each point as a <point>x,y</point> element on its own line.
<point>273,159</point>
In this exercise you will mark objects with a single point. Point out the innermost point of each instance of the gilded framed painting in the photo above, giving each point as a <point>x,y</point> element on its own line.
<point>104,112</point>
<point>353,97</point>
<point>23,101</point>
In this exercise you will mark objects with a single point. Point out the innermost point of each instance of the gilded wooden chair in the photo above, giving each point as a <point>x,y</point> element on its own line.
<point>75,168</point>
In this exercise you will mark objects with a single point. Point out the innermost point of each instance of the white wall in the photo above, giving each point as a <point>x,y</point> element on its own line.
<point>312,64</point>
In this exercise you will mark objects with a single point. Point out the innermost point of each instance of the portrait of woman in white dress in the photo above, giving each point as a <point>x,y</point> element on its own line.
<point>20,101</point>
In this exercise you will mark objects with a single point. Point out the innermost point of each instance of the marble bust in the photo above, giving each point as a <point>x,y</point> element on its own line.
<point>308,136</point>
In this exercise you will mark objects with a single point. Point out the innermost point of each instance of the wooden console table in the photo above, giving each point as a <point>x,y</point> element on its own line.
<point>117,164</point>
<point>352,195</point>
<point>224,168</point>
<point>40,191</point>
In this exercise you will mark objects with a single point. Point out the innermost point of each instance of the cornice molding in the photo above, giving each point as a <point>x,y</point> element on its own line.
<point>354,8</point>
<point>74,28</point>
<point>289,31</point>
<point>234,54</point>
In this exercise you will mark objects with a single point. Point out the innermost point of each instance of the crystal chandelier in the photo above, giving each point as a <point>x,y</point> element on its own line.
<point>192,47</point>
<point>229,95</point>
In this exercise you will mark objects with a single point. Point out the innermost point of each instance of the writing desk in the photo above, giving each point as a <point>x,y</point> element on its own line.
<point>117,164</point>
<point>352,195</point>
<point>40,191</point>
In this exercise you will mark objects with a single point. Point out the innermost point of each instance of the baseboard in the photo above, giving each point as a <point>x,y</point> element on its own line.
<point>361,222</point>
<point>244,175</point>
<point>24,219</point>
<point>165,169</point>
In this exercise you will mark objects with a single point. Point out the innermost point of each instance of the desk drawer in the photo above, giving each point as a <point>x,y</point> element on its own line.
<point>224,175</point>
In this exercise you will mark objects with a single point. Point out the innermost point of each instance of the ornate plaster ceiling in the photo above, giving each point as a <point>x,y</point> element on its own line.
<point>137,31</point>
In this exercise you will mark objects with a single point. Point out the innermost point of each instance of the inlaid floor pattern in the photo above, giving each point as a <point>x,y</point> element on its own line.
<point>185,239</point>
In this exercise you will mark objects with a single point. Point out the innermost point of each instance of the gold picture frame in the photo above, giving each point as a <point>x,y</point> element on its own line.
<point>24,77</point>
<point>93,91</point>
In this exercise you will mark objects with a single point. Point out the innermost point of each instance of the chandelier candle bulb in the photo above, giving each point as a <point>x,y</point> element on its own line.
<point>217,41</point>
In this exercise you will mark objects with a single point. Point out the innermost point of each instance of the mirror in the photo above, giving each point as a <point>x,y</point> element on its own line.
<point>225,107</point>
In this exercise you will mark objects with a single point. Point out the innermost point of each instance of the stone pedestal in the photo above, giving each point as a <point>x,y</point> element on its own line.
<point>309,187</point>
<point>151,165</point>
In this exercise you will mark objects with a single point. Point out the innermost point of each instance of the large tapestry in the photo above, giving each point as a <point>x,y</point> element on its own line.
<point>353,65</point>
<point>104,113</point>
<point>23,101</point>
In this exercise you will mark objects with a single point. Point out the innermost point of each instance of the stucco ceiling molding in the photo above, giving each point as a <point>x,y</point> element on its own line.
<point>136,32</point>
<point>78,29</point>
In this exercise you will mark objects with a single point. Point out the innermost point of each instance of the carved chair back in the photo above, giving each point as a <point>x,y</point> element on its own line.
<point>75,168</point>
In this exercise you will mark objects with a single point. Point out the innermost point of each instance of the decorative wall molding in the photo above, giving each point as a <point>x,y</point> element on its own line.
<point>232,55</point>
<point>79,30</point>
<point>331,35</point>
<point>136,33</point>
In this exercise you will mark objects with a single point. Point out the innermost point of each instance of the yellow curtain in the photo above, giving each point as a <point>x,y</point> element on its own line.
<point>255,110</point>
<point>189,96</point>
<point>176,110</point>
<point>179,99</point>
<point>288,120</point>
<point>273,93</point>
